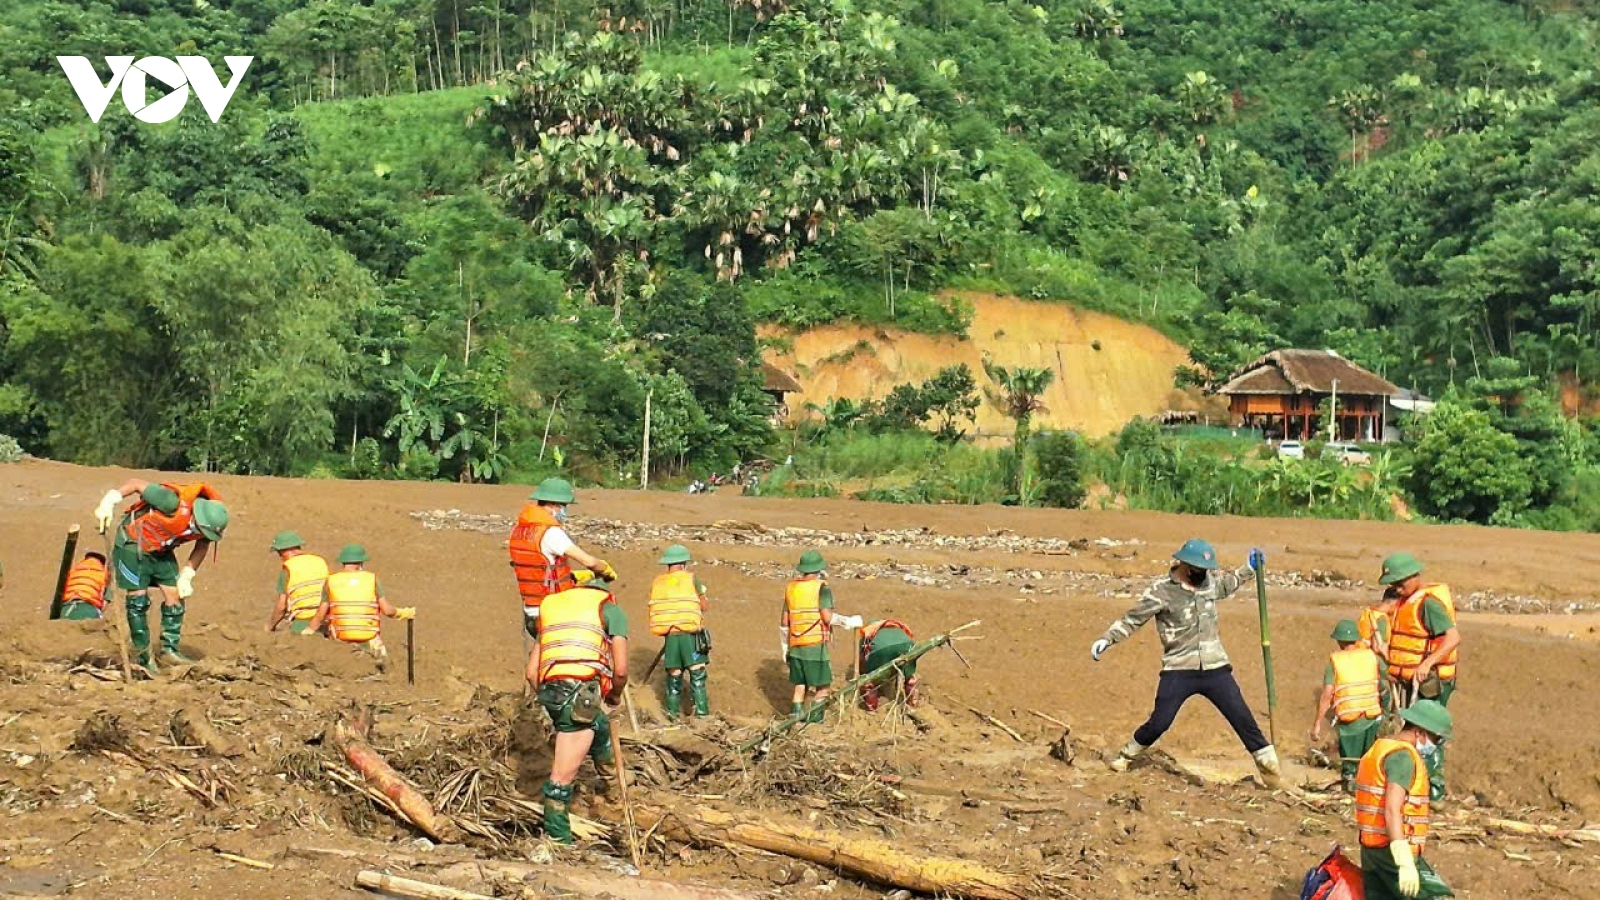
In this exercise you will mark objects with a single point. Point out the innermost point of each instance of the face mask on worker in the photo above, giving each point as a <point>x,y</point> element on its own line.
<point>1193,576</point>
<point>561,515</point>
<point>1425,744</point>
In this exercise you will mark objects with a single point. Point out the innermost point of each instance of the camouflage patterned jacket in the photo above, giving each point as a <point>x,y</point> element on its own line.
<point>1186,619</point>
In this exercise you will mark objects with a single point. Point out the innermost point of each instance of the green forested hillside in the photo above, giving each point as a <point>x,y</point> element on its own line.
<point>446,239</point>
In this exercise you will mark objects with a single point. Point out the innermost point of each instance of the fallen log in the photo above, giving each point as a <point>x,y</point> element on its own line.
<point>407,887</point>
<point>879,862</point>
<point>1584,835</point>
<point>350,736</point>
<point>850,687</point>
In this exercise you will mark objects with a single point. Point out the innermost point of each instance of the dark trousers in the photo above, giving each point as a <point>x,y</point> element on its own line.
<point>1216,685</point>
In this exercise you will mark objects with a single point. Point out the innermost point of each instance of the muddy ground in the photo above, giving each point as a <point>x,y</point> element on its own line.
<point>1044,584</point>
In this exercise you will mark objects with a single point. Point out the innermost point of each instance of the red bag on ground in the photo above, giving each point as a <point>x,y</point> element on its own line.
<point>1336,878</point>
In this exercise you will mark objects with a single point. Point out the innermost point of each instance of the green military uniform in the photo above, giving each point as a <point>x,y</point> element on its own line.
<point>1355,738</point>
<point>558,697</point>
<point>1380,878</point>
<point>811,666</point>
<point>887,644</point>
<point>682,651</point>
<point>79,610</point>
<point>137,570</point>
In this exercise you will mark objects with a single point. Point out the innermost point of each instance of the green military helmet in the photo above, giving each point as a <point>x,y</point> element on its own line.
<point>211,518</point>
<point>677,553</point>
<point>1398,567</point>
<point>554,490</point>
<point>1346,630</point>
<point>1431,716</point>
<point>352,554</point>
<point>287,540</point>
<point>1197,553</point>
<point>811,562</point>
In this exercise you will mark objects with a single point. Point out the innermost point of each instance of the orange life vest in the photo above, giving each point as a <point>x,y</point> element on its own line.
<point>157,532</point>
<point>1371,822</point>
<point>304,574</point>
<point>675,604</point>
<point>870,631</point>
<point>1356,682</point>
<point>573,644</point>
<point>86,582</point>
<point>353,606</point>
<point>1409,642</point>
<point>1374,627</point>
<point>537,575</point>
<point>803,600</point>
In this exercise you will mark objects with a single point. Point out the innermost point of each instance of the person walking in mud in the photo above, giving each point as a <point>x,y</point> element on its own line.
<point>1352,690</point>
<point>1423,645</point>
<point>677,615</point>
<point>580,658</point>
<point>1392,807</point>
<point>300,583</point>
<point>352,603</point>
<point>806,625</point>
<point>540,549</point>
<point>1193,662</point>
<point>162,517</point>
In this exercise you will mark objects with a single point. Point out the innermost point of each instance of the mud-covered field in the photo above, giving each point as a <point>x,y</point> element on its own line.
<point>137,813</point>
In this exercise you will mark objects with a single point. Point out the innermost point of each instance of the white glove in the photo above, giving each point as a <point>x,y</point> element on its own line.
<point>850,623</point>
<point>106,510</point>
<point>1099,647</point>
<point>186,583</point>
<point>783,641</point>
<point>1405,861</point>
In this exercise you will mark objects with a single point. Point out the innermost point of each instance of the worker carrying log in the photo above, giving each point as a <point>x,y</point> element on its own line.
<point>883,642</point>
<point>1423,645</point>
<point>301,580</point>
<point>1392,807</point>
<point>540,549</point>
<point>161,517</point>
<point>85,594</point>
<point>1184,605</point>
<point>578,662</point>
<point>678,606</point>
<point>1352,690</point>
<point>352,604</point>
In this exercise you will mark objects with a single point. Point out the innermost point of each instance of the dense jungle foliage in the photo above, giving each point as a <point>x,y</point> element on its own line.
<point>474,238</point>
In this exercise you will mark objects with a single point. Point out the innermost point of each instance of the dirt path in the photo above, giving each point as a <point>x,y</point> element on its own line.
<point>1044,583</point>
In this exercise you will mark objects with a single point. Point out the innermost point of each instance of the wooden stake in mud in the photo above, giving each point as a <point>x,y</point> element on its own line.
<point>411,658</point>
<point>1266,655</point>
<point>68,550</point>
<point>627,805</point>
<point>117,634</point>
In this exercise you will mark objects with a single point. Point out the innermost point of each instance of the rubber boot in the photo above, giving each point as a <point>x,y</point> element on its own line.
<point>698,679</point>
<point>1267,766</point>
<point>171,635</point>
<point>557,814</point>
<point>674,696</point>
<point>870,698</point>
<point>138,608</point>
<point>797,709</point>
<point>1125,757</point>
<point>814,713</point>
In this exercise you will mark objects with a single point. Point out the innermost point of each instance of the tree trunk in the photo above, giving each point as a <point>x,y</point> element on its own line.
<point>350,736</point>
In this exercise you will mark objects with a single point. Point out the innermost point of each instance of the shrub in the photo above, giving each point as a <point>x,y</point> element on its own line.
<point>10,450</point>
<point>1061,457</point>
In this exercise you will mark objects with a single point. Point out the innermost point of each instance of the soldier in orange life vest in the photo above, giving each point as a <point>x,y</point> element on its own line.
<point>883,642</point>
<point>806,626</point>
<point>1392,807</point>
<point>540,549</point>
<point>677,613</point>
<point>352,601</point>
<point>300,583</point>
<point>1352,689</point>
<point>85,594</point>
<point>1423,644</point>
<point>579,660</point>
<point>143,555</point>
<point>1374,625</point>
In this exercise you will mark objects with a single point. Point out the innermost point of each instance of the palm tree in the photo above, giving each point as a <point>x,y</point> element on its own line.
<point>1018,392</point>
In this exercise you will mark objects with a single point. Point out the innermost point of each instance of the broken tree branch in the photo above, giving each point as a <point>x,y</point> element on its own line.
<point>407,887</point>
<point>350,736</point>
<point>998,724</point>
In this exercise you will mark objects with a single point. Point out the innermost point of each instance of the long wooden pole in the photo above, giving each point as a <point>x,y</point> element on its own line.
<point>1266,655</point>
<point>411,657</point>
<point>68,551</point>
<point>627,805</point>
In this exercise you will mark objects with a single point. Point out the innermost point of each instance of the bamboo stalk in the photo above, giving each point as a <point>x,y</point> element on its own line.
<point>408,887</point>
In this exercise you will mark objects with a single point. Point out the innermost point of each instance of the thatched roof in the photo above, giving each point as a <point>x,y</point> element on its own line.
<point>1306,372</point>
<point>777,380</point>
